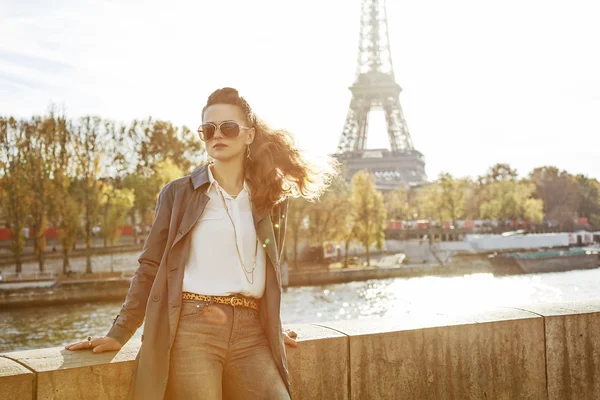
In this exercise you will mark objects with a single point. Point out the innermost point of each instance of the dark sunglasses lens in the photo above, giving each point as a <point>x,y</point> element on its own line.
<point>207,131</point>
<point>230,129</point>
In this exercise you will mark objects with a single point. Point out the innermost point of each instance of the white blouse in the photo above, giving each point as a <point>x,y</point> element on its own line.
<point>213,266</point>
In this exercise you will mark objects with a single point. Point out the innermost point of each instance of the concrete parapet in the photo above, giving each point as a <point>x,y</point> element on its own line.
<point>319,366</point>
<point>64,374</point>
<point>572,349</point>
<point>532,352</point>
<point>494,355</point>
<point>16,381</point>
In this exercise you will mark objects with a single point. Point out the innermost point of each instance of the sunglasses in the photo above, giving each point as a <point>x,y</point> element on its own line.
<point>230,129</point>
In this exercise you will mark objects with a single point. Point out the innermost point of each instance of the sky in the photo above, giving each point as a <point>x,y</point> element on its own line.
<point>483,82</point>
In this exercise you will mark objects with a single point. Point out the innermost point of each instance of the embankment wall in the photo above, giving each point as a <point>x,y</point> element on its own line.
<point>549,351</point>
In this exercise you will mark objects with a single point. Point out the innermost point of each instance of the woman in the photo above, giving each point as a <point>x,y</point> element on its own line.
<point>209,280</point>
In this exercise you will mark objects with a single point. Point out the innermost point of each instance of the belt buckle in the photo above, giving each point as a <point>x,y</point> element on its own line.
<point>233,298</point>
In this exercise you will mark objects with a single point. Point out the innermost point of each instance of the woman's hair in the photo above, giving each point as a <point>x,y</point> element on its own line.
<point>276,168</point>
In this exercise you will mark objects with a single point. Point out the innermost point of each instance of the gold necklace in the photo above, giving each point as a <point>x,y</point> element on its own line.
<point>243,265</point>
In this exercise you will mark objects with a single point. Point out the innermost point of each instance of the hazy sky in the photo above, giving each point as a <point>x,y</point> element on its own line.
<point>513,81</point>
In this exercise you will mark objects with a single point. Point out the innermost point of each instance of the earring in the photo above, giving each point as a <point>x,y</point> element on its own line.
<point>248,152</point>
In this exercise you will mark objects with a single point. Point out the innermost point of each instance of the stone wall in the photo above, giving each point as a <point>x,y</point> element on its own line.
<point>547,351</point>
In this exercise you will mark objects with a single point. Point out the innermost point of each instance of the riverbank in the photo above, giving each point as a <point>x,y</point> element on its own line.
<point>9,260</point>
<point>114,286</point>
<point>97,288</point>
<point>106,286</point>
<point>543,351</point>
<point>357,274</point>
<point>66,292</point>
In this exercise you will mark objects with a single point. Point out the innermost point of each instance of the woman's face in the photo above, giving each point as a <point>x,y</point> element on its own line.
<point>221,147</point>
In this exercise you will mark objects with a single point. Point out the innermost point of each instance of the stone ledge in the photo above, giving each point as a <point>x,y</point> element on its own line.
<point>562,308</point>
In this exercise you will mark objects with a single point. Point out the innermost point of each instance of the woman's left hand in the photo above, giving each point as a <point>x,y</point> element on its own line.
<point>289,338</point>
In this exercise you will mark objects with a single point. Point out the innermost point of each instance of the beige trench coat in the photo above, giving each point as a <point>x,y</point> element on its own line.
<point>155,290</point>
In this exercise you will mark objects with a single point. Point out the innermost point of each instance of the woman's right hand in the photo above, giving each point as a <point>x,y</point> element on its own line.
<point>97,345</point>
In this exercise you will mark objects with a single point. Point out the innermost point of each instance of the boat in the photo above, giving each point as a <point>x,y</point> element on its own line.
<point>546,261</point>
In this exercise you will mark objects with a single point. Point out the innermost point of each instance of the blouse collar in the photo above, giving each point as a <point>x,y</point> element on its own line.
<point>213,182</point>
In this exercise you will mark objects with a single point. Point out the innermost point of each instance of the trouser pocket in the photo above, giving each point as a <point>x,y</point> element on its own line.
<point>192,308</point>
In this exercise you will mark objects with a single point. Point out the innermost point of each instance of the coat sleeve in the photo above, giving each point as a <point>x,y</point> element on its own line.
<point>131,315</point>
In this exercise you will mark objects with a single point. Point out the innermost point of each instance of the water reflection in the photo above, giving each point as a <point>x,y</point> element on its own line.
<point>396,298</point>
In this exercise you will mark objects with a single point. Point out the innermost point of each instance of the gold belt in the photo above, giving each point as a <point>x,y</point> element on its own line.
<point>233,300</point>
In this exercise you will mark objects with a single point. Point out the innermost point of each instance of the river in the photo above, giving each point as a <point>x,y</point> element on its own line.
<point>41,327</point>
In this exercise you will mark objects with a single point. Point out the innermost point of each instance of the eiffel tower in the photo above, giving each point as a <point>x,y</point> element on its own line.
<point>375,87</point>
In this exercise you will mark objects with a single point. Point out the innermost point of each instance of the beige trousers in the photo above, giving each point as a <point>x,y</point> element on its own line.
<point>221,352</point>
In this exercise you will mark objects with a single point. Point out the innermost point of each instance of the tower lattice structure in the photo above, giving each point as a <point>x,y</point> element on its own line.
<point>375,87</point>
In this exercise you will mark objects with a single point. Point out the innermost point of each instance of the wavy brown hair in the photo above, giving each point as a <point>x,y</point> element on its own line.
<point>276,169</point>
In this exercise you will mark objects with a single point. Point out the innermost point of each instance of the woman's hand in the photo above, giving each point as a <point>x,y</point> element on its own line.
<point>96,344</point>
<point>289,338</point>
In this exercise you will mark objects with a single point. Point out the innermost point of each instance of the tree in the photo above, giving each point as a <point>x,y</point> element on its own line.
<point>155,141</point>
<point>397,204</point>
<point>474,196</point>
<point>368,212</point>
<point>64,209</point>
<point>589,206</point>
<point>498,173</point>
<point>147,188</point>
<point>42,149</point>
<point>295,223</point>
<point>501,196</point>
<point>14,183</point>
<point>67,219</point>
<point>119,202</point>
<point>344,226</point>
<point>326,216</point>
<point>429,202</point>
<point>157,153</point>
<point>88,142</point>
<point>509,200</point>
<point>560,193</point>
<point>452,196</point>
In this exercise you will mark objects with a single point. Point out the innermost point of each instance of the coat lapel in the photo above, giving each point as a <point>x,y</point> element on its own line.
<point>193,210</point>
<point>194,206</point>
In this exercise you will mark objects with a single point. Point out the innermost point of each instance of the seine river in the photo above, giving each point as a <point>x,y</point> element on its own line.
<point>42,327</point>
